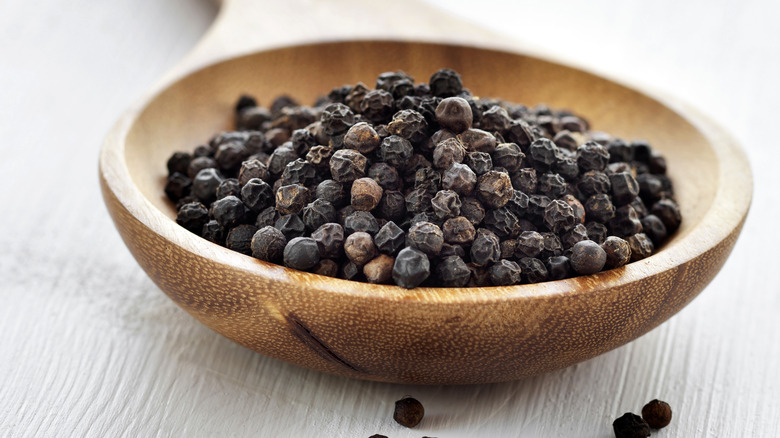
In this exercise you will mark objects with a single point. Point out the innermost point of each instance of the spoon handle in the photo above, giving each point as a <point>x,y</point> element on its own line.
<point>245,26</point>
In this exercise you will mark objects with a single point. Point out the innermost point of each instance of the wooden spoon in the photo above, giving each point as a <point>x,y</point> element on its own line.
<point>386,333</point>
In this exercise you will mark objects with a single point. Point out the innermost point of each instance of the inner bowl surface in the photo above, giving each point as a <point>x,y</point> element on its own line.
<point>424,335</point>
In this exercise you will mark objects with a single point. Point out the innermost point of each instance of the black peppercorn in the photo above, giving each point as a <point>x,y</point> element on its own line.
<point>426,237</point>
<point>192,216</point>
<point>445,83</point>
<point>177,186</point>
<point>631,426</point>
<point>229,156</point>
<point>330,240</point>
<point>599,208</point>
<point>228,187</point>
<point>477,140</point>
<point>362,137</point>
<point>336,118</point>
<point>669,212</point>
<point>532,270</point>
<point>268,244</point>
<point>459,178</point>
<point>361,221</point>
<point>228,211</point>
<point>559,216</point>
<point>446,204</point>
<point>558,267</point>
<point>408,412</point>
<point>508,156</point>
<point>205,184</point>
<point>299,171</point>
<point>291,199</point>
<point>268,216</point>
<point>257,194</point>
<point>486,248</point>
<point>654,228</point>
<point>641,246</point>
<point>199,163</point>
<point>596,232</point>
<point>318,213</point>
<point>454,114</point>
<point>494,189</point>
<point>618,252</point>
<point>390,238</point>
<point>240,238</point>
<point>410,125</point>
<point>479,162</point>
<point>657,414</point>
<point>290,225</point>
<point>624,188</point>
<point>451,271</point>
<point>587,257</point>
<point>592,156</point>
<point>448,152</point>
<point>505,273</point>
<point>279,159</point>
<point>502,222</point>
<point>331,191</point>
<point>411,268</point>
<point>301,253</point>
<point>544,152</point>
<point>347,165</point>
<point>179,162</point>
<point>626,222</point>
<point>377,106</point>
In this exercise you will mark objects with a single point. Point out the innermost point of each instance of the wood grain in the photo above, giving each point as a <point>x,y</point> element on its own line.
<point>90,347</point>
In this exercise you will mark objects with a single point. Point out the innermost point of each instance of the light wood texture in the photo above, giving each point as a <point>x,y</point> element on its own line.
<point>92,348</point>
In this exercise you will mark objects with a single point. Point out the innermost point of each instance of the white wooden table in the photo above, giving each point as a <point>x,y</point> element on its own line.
<point>90,347</point>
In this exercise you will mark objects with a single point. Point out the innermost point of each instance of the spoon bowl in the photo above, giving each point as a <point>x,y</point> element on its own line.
<point>423,335</point>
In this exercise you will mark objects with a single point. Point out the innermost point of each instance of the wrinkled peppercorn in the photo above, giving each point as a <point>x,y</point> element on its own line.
<point>532,270</point>
<point>192,216</point>
<point>347,165</point>
<point>452,271</point>
<point>454,114</point>
<point>494,189</point>
<point>268,244</point>
<point>505,273</point>
<point>240,238</point>
<point>408,412</point>
<point>631,426</point>
<point>641,246</point>
<point>411,268</point>
<point>426,237</point>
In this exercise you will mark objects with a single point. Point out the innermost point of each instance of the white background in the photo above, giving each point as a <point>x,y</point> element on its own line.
<point>90,347</point>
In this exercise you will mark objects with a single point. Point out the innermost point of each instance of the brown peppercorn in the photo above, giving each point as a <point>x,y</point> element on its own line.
<point>347,165</point>
<point>448,152</point>
<point>291,199</point>
<point>477,140</point>
<point>380,269</point>
<point>326,267</point>
<point>459,230</point>
<point>359,248</point>
<point>494,189</point>
<point>408,412</point>
<point>459,178</point>
<point>454,114</point>
<point>366,194</point>
<point>618,252</point>
<point>362,138</point>
<point>657,413</point>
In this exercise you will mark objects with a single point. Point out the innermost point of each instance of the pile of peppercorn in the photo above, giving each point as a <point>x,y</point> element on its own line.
<point>424,184</point>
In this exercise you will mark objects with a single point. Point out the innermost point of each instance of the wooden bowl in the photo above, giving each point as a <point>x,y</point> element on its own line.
<point>423,335</point>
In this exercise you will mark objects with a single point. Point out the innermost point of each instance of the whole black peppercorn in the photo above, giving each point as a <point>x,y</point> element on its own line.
<point>299,171</point>
<point>495,119</point>
<point>558,267</point>
<point>618,252</point>
<point>377,106</point>
<point>390,238</point>
<point>654,228</point>
<point>594,182</point>
<point>494,189</point>
<point>290,225</point>
<point>571,237</point>
<point>631,426</point>
<point>347,165</point>
<point>544,152</point>
<point>587,257</point>
<point>472,210</point>
<point>213,232</point>
<point>205,184</point>
<point>426,237</point>
<point>318,213</point>
<point>301,253</point>
<point>418,201</point>
<point>502,222</point>
<point>552,185</point>
<point>446,204</point>
<point>228,211</point>
<point>199,163</point>
<point>228,187</point>
<point>326,267</point>
<point>240,238</point>
<point>596,231</point>
<point>229,156</point>
<point>559,216</point>
<point>192,216</point>
<point>392,206</point>
<point>641,246</point>
<point>460,179</point>
<point>447,153</point>
<point>592,156</point>
<point>253,169</point>
<point>552,245</point>
<point>268,216</point>
<point>379,270</point>
<point>479,162</point>
<point>179,162</point>
<point>408,412</point>
<point>330,240</point>
<point>361,221</point>
<point>268,244</point>
<point>452,271</point>
<point>359,248</point>
<point>669,212</point>
<point>445,83</point>
<point>626,222</point>
<point>396,151</point>
<point>280,157</point>
<point>366,194</point>
<point>362,137</point>
<point>532,270</point>
<point>505,273</point>
<point>411,268</point>
<point>454,114</point>
<point>477,140</point>
<point>291,199</point>
<point>319,156</point>
<point>331,191</point>
<point>508,156</point>
<point>336,118</point>
<point>177,186</point>
<point>486,248</point>
<point>599,208</point>
<point>624,188</point>
<point>410,125</point>
<point>458,230</point>
<point>657,414</point>
<point>529,244</point>
<point>257,194</point>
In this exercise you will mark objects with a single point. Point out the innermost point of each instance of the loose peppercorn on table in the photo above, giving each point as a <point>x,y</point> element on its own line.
<point>388,333</point>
